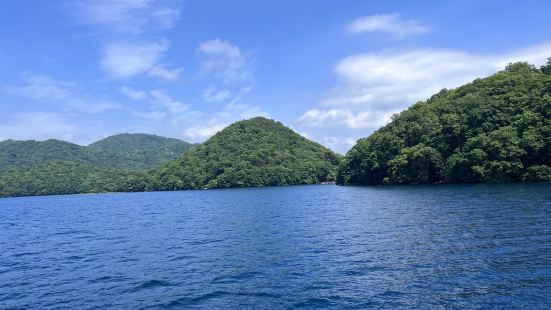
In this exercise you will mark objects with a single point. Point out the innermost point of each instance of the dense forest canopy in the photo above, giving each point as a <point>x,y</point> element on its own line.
<point>496,129</point>
<point>58,167</point>
<point>124,151</point>
<point>254,152</point>
<point>60,177</point>
<point>137,151</point>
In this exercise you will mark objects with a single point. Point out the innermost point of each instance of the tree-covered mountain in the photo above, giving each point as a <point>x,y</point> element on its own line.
<point>495,129</point>
<point>124,151</point>
<point>58,167</point>
<point>254,152</point>
<point>60,177</point>
<point>20,154</point>
<point>136,151</point>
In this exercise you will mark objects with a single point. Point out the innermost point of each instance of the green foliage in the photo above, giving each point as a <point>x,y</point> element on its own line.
<point>255,152</point>
<point>57,167</point>
<point>59,177</point>
<point>495,129</point>
<point>136,151</point>
<point>124,151</point>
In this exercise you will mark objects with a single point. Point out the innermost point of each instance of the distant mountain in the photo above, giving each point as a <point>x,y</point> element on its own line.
<point>137,151</point>
<point>60,177</point>
<point>496,129</point>
<point>254,152</point>
<point>123,151</point>
<point>58,167</point>
<point>17,154</point>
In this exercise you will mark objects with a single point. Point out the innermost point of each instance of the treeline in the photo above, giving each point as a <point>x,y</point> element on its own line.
<point>56,167</point>
<point>254,152</point>
<point>135,152</point>
<point>496,129</point>
<point>60,177</point>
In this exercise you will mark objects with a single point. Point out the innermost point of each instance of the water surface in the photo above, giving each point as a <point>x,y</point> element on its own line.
<point>323,246</point>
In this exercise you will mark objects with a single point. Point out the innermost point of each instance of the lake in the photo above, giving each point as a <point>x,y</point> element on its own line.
<point>319,246</point>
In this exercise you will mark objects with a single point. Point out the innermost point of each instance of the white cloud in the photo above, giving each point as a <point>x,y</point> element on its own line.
<point>345,117</point>
<point>153,115</point>
<point>133,93</point>
<point>125,59</point>
<point>232,78</point>
<point>129,25</point>
<point>49,90</point>
<point>388,23</point>
<point>39,126</point>
<point>226,62</point>
<point>162,98</point>
<point>128,16</point>
<point>372,87</point>
<point>201,132</point>
<point>379,84</point>
<point>232,112</point>
<point>167,74</point>
<point>212,94</point>
<point>338,143</point>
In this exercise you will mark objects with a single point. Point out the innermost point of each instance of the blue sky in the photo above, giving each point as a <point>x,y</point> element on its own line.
<point>333,71</point>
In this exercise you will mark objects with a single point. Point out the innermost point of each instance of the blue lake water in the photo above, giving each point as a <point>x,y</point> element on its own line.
<point>321,246</point>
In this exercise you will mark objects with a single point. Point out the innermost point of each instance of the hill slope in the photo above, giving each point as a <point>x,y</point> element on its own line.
<point>58,167</point>
<point>254,152</point>
<point>60,177</point>
<point>495,129</point>
<point>124,151</point>
<point>137,151</point>
<point>14,154</point>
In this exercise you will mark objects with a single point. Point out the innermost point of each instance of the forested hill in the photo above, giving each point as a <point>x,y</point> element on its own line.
<point>58,167</point>
<point>124,151</point>
<point>19,154</point>
<point>137,151</point>
<point>254,152</point>
<point>495,129</point>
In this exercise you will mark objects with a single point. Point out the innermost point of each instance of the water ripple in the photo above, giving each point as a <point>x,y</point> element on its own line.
<point>299,247</point>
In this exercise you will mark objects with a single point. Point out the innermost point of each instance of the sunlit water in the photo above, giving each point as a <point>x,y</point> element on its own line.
<point>422,247</point>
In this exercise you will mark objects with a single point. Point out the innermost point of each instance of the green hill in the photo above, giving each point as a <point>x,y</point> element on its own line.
<point>58,167</point>
<point>60,177</point>
<point>17,154</point>
<point>254,152</point>
<point>123,151</point>
<point>496,129</point>
<point>136,151</point>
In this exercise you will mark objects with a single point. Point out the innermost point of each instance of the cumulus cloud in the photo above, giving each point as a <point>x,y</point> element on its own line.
<point>44,88</point>
<point>201,132</point>
<point>345,117</point>
<point>128,16</point>
<point>392,24</point>
<point>337,143</point>
<point>372,87</point>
